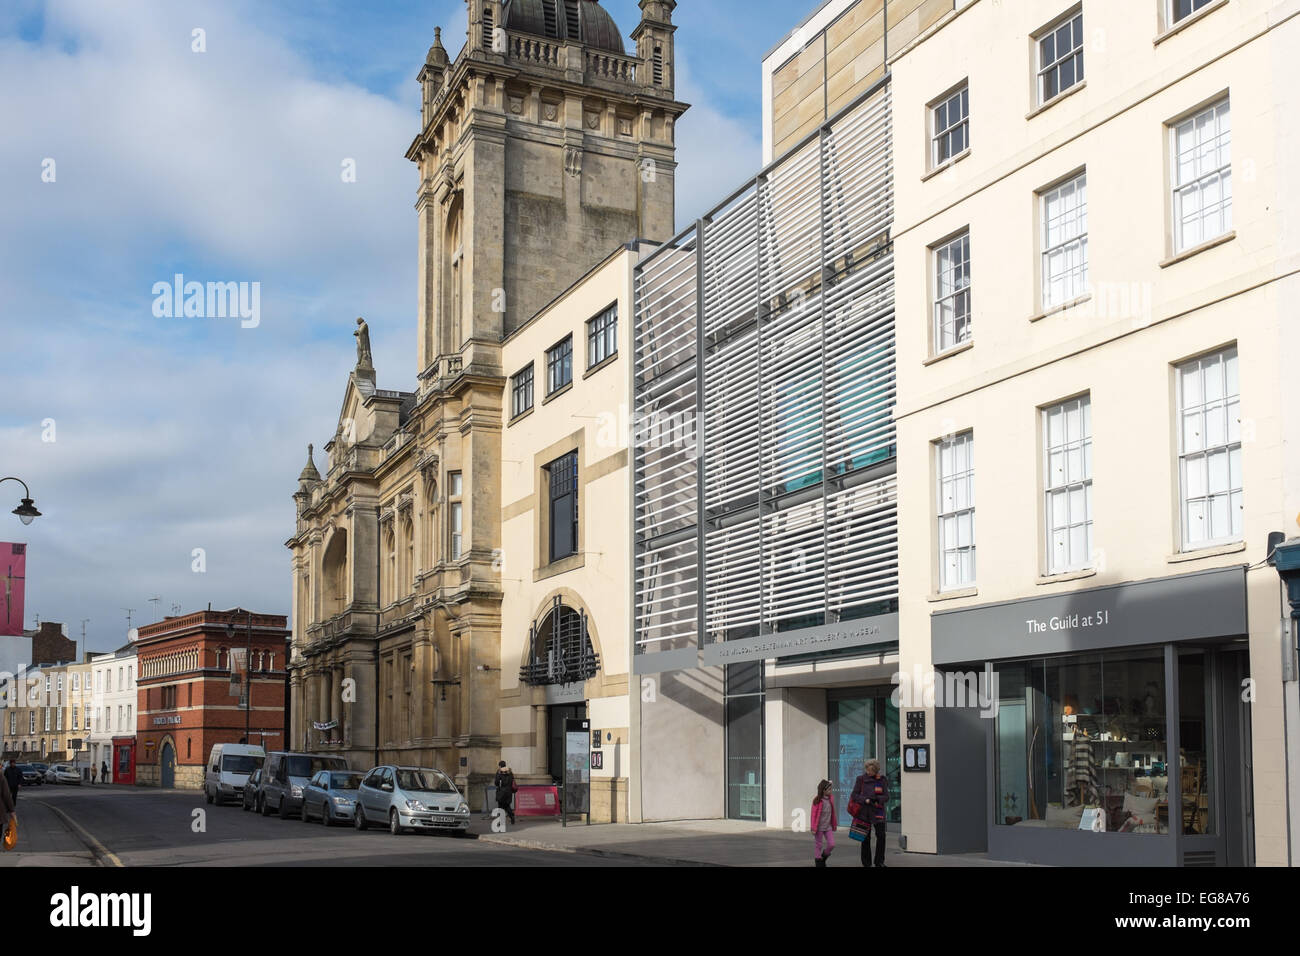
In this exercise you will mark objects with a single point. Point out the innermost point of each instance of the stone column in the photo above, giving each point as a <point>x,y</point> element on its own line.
<point>336,698</point>
<point>326,678</point>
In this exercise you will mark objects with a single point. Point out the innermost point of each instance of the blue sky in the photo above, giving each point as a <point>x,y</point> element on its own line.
<point>145,438</point>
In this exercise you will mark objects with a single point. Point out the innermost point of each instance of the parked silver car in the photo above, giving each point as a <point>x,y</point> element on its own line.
<point>411,798</point>
<point>63,773</point>
<point>331,796</point>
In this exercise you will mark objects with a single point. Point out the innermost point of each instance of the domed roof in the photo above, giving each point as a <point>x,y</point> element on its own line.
<point>582,21</point>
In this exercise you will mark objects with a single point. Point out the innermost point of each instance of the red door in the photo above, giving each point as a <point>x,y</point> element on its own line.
<point>124,761</point>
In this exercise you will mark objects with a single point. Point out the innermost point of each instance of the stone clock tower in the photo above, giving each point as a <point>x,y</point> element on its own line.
<point>542,147</point>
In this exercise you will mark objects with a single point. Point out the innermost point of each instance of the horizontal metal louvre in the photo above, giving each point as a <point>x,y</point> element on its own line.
<point>667,579</point>
<point>732,575</point>
<point>731,454</point>
<point>773,320</point>
<point>665,448</point>
<point>793,558</point>
<point>731,265</point>
<point>666,312</point>
<point>860,383</point>
<point>858,168</point>
<point>789,212</point>
<point>862,545</point>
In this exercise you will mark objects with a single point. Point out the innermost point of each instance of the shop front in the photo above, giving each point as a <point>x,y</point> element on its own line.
<point>1121,734</point>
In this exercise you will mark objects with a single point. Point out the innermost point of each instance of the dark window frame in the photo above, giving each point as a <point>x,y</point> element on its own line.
<point>521,390</point>
<point>562,507</point>
<point>602,333</point>
<point>559,363</point>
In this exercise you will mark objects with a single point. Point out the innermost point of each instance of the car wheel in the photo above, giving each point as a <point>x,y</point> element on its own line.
<point>359,821</point>
<point>284,809</point>
<point>394,823</point>
<point>244,804</point>
<point>325,820</point>
<point>262,808</point>
<point>303,813</point>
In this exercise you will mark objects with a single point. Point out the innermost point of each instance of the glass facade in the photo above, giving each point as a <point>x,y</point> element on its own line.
<point>863,725</point>
<point>745,745</point>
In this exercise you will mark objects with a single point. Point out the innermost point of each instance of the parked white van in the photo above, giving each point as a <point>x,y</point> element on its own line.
<point>228,770</point>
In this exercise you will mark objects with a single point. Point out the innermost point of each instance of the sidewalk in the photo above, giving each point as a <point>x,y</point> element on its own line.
<point>707,843</point>
<point>44,839</point>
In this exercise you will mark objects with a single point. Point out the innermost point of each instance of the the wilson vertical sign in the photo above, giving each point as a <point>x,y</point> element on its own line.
<point>13,577</point>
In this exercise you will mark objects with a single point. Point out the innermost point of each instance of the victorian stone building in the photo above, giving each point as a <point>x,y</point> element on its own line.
<point>542,147</point>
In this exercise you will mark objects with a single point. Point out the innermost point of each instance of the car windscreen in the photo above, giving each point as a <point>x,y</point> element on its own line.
<point>240,763</point>
<point>427,781</point>
<point>345,781</point>
<point>303,766</point>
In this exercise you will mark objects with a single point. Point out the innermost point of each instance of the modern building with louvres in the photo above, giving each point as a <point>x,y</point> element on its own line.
<point>765,570</point>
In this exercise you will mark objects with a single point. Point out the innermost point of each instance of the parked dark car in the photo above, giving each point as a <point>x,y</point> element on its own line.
<point>285,775</point>
<point>31,776</point>
<point>331,796</point>
<point>253,789</point>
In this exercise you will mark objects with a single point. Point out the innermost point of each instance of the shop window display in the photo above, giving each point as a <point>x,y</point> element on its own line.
<point>1082,744</point>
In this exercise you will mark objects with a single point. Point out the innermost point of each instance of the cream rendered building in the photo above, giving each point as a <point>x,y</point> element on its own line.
<point>543,145</point>
<point>565,542</point>
<point>1097,270</point>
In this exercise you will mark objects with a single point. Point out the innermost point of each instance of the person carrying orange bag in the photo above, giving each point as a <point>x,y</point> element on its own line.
<point>7,815</point>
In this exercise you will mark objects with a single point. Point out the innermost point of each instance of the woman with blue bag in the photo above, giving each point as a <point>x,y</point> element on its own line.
<point>867,807</point>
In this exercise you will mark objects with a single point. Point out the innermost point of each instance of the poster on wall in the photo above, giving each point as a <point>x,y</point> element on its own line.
<point>577,766</point>
<point>13,579</point>
<point>853,752</point>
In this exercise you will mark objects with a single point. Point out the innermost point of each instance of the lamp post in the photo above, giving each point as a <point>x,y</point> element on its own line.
<point>26,510</point>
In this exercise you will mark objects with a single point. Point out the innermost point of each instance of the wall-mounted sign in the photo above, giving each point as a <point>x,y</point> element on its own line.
<point>533,801</point>
<point>577,767</point>
<point>916,725</point>
<point>318,725</point>
<point>597,760</point>
<point>166,721</point>
<point>595,740</point>
<point>864,632</point>
<point>1187,607</point>
<point>916,758</point>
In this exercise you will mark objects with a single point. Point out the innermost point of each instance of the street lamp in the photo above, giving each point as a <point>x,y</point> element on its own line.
<point>26,510</point>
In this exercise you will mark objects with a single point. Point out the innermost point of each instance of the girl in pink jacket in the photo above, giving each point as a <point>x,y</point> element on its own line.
<point>824,823</point>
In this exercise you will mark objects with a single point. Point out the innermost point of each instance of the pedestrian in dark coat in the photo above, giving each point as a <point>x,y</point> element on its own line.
<point>506,787</point>
<point>6,802</point>
<point>13,777</point>
<point>103,772</point>
<point>871,791</point>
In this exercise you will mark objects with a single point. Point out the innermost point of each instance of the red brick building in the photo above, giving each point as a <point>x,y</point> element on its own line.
<point>184,701</point>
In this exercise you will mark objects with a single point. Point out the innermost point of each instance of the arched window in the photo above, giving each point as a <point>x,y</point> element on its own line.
<point>560,650</point>
<point>408,556</point>
<point>390,550</point>
<point>335,569</point>
<point>454,335</point>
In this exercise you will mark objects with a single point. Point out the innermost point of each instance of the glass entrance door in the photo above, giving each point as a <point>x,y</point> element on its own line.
<point>863,725</point>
